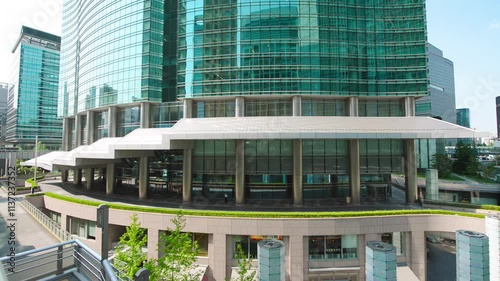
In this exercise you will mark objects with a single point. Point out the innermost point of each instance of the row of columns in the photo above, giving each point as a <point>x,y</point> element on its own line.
<point>354,157</point>
<point>354,152</point>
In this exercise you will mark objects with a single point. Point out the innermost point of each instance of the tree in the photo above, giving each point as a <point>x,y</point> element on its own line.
<point>40,146</point>
<point>129,255</point>
<point>466,160</point>
<point>244,266</point>
<point>489,170</point>
<point>21,169</point>
<point>178,262</point>
<point>442,163</point>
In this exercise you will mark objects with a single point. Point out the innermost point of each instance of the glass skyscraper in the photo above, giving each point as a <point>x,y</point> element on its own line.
<point>32,99</point>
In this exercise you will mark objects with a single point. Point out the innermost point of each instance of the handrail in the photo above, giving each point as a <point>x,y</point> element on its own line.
<point>84,257</point>
<point>50,224</point>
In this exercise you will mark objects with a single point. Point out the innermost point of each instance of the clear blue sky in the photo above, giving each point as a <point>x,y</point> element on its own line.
<point>468,32</point>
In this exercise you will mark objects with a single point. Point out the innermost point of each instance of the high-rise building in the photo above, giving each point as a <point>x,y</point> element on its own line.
<point>463,117</point>
<point>4,92</point>
<point>273,101</point>
<point>440,103</point>
<point>32,100</point>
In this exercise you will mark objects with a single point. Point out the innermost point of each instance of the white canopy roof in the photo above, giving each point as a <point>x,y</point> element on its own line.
<point>143,142</point>
<point>45,161</point>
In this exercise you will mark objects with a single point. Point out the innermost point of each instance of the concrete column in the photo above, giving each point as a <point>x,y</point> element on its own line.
<point>217,251</point>
<point>143,177</point>
<point>89,177</point>
<point>77,176</point>
<point>354,171</point>
<point>239,172</point>
<point>410,171</point>
<point>145,115</point>
<point>90,127</point>
<point>66,144</point>
<point>239,107</point>
<point>409,105</point>
<point>297,172</point>
<point>297,105</point>
<point>418,254</point>
<point>110,178</point>
<point>188,108</point>
<point>153,240</point>
<point>112,122</point>
<point>296,253</point>
<point>187,175</point>
<point>353,106</point>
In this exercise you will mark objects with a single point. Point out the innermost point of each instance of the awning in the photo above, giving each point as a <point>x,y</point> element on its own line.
<point>45,161</point>
<point>143,142</point>
<point>319,127</point>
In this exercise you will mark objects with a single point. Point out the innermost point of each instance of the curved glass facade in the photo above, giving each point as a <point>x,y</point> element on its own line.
<point>268,47</point>
<point>116,52</point>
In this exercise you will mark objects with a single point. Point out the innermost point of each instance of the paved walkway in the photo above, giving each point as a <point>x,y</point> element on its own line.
<point>29,233</point>
<point>397,202</point>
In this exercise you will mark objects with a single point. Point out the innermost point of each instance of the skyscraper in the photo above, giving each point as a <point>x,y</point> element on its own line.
<point>32,100</point>
<point>4,92</point>
<point>274,101</point>
<point>463,117</point>
<point>440,103</point>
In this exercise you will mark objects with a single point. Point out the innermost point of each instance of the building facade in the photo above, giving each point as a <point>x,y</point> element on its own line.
<point>262,101</point>
<point>4,93</point>
<point>440,103</point>
<point>463,119</point>
<point>497,102</point>
<point>32,99</point>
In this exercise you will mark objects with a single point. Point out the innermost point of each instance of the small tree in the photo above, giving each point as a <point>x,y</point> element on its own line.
<point>244,266</point>
<point>442,163</point>
<point>178,262</point>
<point>489,170</point>
<point>40,146</point>
<point>129,255</point>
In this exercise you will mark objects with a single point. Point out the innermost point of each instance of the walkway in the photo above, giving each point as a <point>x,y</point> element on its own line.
<point>397,202</point>
<point>29,234</point>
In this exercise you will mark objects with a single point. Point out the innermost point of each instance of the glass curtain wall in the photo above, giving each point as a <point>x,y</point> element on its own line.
<point>101,125</point>
<point>325,168</point>
<point>165,115</point>
<point>128,119</point>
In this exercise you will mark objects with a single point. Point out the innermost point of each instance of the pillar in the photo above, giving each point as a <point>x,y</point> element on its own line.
<point>239,172</point>
<point>239,107</point>
<point>145,115</point>
<point>295,253</point>
<point>188,108</point>
<point>112,122</point>
<point>153,240</point>
<point>143,177</point>
<point>110,178</point>
<point>90,127</point>
<point>187,176</point>
<point>353,106</point>
<point>409,104</point>
<point>77,173</point>
<point>89,177</point>
<point>297,105</point>
<point>297,172</point>
<point>354,171</point>
<point>66,144</point>
<point>492,226</point>
<point>218,255</point>
<point>418,252</point>
<point>410,171</point>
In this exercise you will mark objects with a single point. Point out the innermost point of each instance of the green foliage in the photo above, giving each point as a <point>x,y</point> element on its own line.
<point>244,266</point>
<point>466,162</point>
<point>443,164</point>
<point>129,255</point>
<point>40,146</point>
<point>180,251</point>
<point>489,170</point>
<point>240,214</point>
<point>21,169</point>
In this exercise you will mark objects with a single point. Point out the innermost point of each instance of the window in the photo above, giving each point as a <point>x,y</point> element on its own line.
<point>333,247</point>
<point>249,244</point>
<point>82,228</point>
<point>397,239</point>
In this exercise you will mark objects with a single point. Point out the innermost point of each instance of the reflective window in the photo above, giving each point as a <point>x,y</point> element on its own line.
<point>333,247</point>
<point>397,239</point>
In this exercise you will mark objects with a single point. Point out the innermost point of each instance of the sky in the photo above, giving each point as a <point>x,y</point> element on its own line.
<point>468,32</point>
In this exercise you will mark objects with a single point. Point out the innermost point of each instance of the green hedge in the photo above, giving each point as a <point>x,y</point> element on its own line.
<point>246,214</point>
<point>32,181</point>
<point>34,195</point>
<point>463,205</point>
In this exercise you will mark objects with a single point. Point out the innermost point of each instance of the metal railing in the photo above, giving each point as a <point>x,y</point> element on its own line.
<point>49,223</point>
<point>70,257</point>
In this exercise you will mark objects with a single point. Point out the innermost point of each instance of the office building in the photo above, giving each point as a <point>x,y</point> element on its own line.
<point>463,119</point>
<point>32,99</point>
<point>440,103</point>
<point>270,102</point>
<point>4,92</point>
